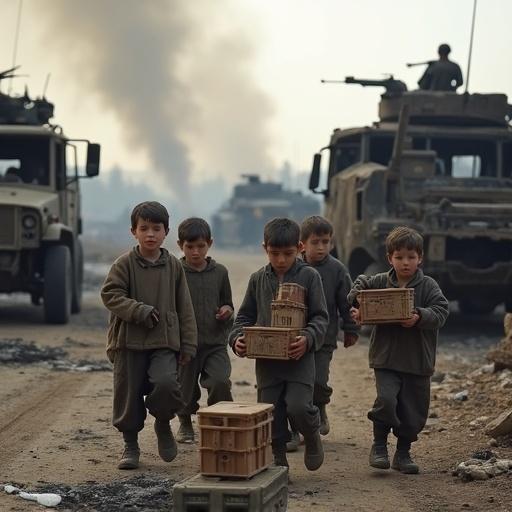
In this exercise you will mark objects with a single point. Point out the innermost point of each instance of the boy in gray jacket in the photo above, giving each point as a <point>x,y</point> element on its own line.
<point>152,329</point>
<point>210,290</point>
<point>288,385</point>
<point>402,355</point>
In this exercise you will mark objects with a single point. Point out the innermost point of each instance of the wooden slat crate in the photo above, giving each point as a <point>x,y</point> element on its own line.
<point>291,291</point>
<point>235,439</point>
<point>387,305</point>
<point>269,342</point>
<point>288,314</point>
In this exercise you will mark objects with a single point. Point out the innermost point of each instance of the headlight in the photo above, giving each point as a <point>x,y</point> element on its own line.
<point>29,221</point>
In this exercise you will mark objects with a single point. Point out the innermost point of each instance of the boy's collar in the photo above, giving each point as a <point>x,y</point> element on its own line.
<point>291,271</point>
<point>143,262</point>
<point>416,278</point>
<point>318,263</point>
<point>210,263</point>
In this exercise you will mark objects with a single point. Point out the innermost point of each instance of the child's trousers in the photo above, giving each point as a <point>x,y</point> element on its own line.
<point>213,368</point>
<point>322,392</point>
<point>402,402</point>
<point>145,372</point>
<point>292,400</point>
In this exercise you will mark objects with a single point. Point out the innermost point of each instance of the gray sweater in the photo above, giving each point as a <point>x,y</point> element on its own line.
<point>413,349</point>
<point>255,310</point>
<point>337,284</point>
<point>210,289</point>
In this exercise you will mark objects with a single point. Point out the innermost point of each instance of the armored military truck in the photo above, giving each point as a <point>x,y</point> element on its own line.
<point>240,221</point>
<point>440,162</point>
<point>40,219</point>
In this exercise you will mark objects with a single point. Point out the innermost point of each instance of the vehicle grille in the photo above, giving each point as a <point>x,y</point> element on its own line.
<point>7,226</point>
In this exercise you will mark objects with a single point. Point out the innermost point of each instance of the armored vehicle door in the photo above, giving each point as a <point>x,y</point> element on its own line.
<point>67,183</point>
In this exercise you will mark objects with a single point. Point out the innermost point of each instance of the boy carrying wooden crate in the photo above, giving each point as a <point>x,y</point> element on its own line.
<point>402,354</point>
<point>287,384</point>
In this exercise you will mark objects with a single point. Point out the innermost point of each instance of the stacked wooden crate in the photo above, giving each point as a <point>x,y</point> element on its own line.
<point>385,306</point>
<point>289,316</point>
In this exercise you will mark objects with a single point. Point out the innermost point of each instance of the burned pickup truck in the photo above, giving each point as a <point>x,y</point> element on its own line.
<point>440,162</point>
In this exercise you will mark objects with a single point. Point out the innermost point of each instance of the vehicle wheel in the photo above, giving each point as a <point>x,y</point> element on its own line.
<point>78,278</point>
<point>475,306</point>
<point>58,284</point>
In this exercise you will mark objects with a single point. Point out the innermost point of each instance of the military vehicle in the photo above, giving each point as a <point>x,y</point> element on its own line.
<point>40,220</point>
<point>240,221</point>
<point>440,162</point>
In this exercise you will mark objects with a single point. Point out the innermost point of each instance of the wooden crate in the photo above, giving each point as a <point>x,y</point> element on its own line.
<point>235,439</point>
<point>384,306</point>
<point>291,291</point>
<point>234,426</point>
<point>288,314</point>
<point>269,342</point>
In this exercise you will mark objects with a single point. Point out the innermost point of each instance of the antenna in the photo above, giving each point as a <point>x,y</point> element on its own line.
<point>46,84</point>
<point>16,37</point>
<point>471,44</point>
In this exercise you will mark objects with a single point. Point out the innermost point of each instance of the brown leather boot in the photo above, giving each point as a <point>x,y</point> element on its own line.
<point>185,433</point>
<point>167,447</point>
<point>130,457</point>
<point>402,462</point>
<point>324,420</point>
<point>379,458</point>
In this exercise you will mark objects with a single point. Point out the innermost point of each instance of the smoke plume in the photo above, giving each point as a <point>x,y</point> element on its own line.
<point>182,90</point>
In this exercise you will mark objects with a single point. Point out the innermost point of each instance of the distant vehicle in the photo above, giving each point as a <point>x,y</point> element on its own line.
<point>440,162</point>
<point>240,221</point>
<point>40,219</point>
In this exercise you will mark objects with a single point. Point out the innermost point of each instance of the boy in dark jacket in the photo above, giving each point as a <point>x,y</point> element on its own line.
<point>316,237</point>
<point>210,290</point>
<point>402,355</point>
<point>152,329</point>
<point>288,385</point>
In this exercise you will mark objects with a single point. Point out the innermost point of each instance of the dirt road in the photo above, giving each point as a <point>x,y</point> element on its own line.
<point>55,430</point>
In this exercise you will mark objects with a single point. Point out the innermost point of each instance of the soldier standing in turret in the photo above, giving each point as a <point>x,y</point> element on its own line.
<point>442,74</point>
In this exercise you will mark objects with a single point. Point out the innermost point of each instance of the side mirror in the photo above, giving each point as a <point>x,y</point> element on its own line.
<point>92,166</point>
<point>314,178</point>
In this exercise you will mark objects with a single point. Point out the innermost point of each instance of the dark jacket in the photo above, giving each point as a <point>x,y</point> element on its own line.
<point>209,289</point>
<point>255,310</point>
<point>337,283</point>
<point>413,349</point>
<point>133,287</point>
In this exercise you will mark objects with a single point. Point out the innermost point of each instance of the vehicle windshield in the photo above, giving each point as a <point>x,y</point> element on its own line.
<point>24,160</point>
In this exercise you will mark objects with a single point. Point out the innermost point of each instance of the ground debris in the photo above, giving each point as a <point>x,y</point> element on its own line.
<point>478,469</point>
<point>16,350</point>
<point>141,493</point>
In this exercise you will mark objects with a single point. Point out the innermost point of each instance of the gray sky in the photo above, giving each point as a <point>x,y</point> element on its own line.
<point>243,85</point>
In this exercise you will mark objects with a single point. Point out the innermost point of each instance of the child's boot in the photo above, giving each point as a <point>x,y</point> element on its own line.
<point>186,431</point>
<point>293,444</point>
<point>131,453</point>
<point>324,420</point>
<point>379,457</point>
<point>279,453</point>
<point>402,459</point>
<point>313,451</point>
<point>167,448</point>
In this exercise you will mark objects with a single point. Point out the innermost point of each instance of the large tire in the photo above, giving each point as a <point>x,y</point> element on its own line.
<point>475,306</point>
<point>58,284</point>
<point>78,278</point>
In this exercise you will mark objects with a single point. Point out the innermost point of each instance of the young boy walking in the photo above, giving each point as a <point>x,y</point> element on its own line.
<point>316,236</point>
<point>152,330</point>
<point>288,385</point>
<point>210,290</point>
<point>402,355</point>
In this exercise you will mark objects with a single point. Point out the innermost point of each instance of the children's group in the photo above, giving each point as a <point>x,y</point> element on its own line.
<point>171,321</point>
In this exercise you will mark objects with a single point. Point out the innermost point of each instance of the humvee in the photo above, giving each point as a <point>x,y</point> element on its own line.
<point>440,162</point>
<point>40,218</point>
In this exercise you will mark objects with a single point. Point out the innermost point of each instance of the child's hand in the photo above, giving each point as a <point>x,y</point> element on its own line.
<point>350,339</point>
<point>356,315</point>
<point>224,313</point>
<point>240,347</point>
<point>412,321</point>
<point>298,348</point>
<point>155,316</point>
<point>184,359</point>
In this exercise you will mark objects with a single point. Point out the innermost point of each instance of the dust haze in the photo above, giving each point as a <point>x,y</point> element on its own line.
<point>175,75</point>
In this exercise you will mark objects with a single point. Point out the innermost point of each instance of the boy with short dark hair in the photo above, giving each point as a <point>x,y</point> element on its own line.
<point>316,237</point>
<point>402,355</point>
<point>210,290</point>
<point>288,385</point>
<point>152,330</point>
